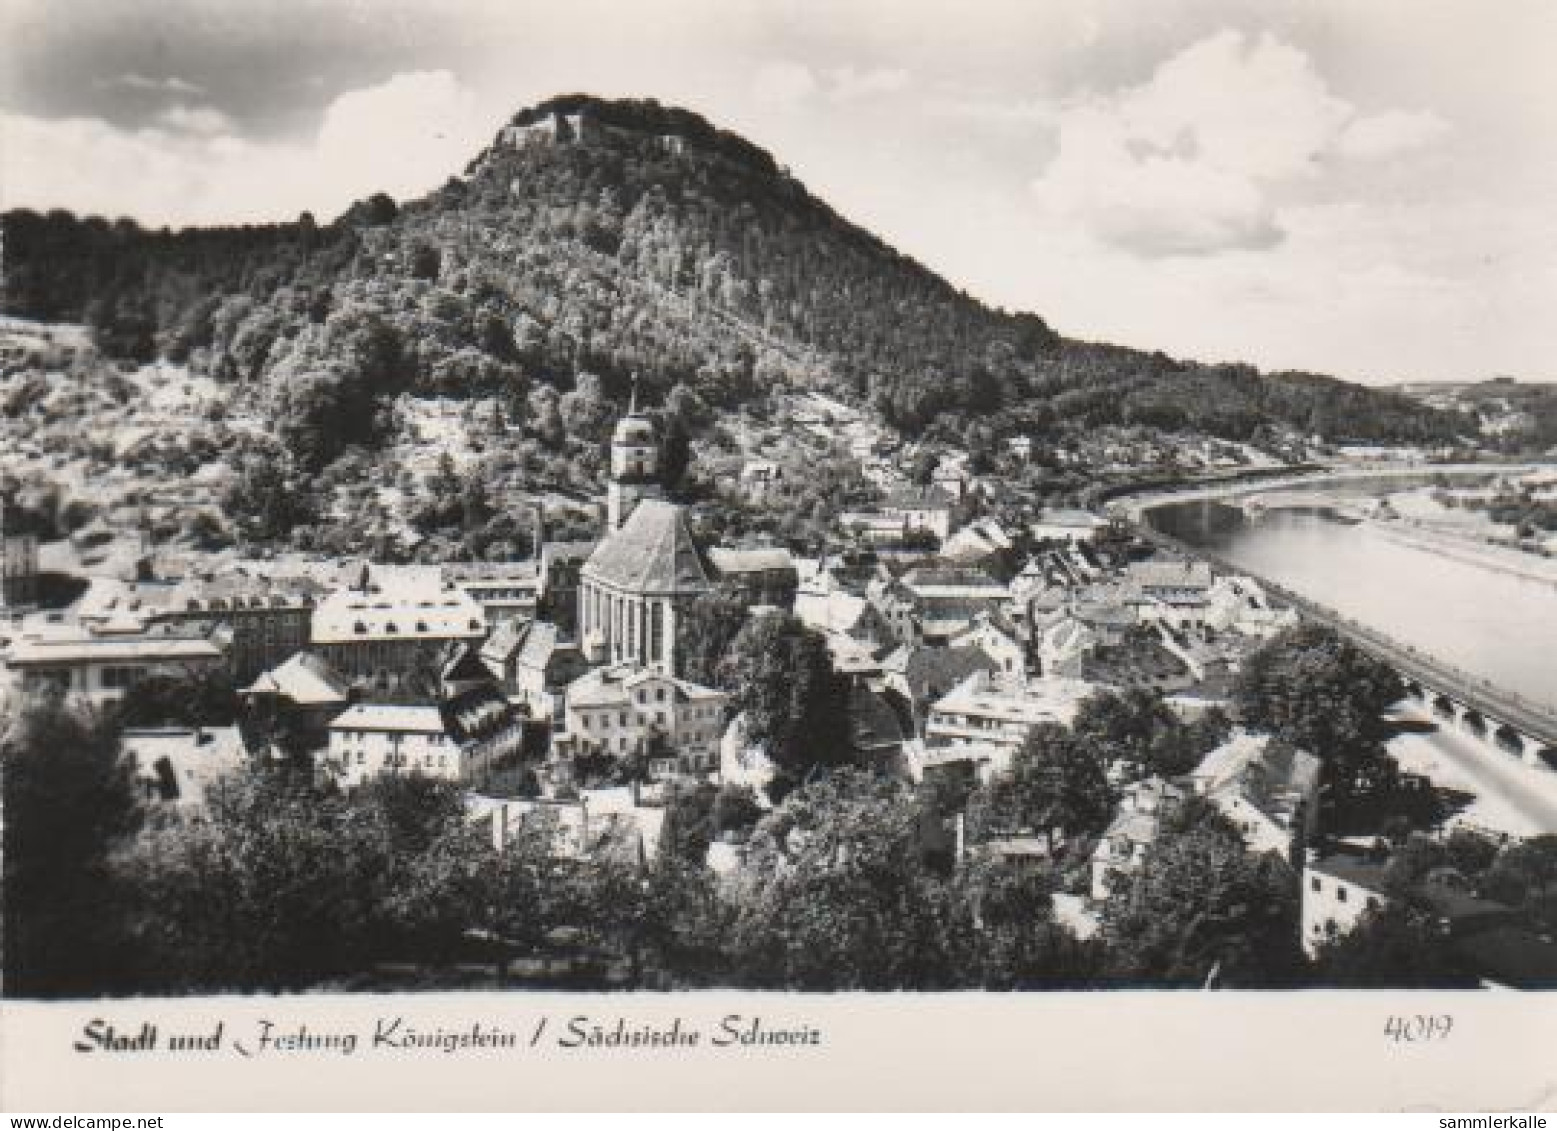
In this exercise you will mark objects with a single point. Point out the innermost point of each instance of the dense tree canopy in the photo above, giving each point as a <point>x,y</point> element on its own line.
<point>1203,909</point>
<point>69,800</point>
<point>794,704</point>
<point>709,268</point>
<point>1057,783</point>
<point>1317,691</point>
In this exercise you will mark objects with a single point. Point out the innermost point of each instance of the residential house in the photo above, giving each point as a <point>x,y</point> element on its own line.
<point>1266,787</point>
<point>500,652</point>
<point>923,675</point>
<point>1339,889</point>
<point>952,479</point>
<point>950,598</point>
<point>101,667</point>
<point>258,620</point>
<point>1123,848</point>
<point>981,709</point>
<point>1063,646</point>
<point>562,565</point>
<point>921,508</point>
<point>1173,592</point>
<point>898,608</point>
<point>506,591</point>
<point>393,624</point>
<point>1060,525</point>
<point>544,667</point>
<point>299,698</point>
<point>1241,604</point>
<point>996,637</point>
<point>466,737</point>
<point>629,710</point>
<point>980,539</point>
<point>764,575</point>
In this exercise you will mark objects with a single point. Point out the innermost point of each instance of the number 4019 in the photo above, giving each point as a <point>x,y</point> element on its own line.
<point>1422,1027</point>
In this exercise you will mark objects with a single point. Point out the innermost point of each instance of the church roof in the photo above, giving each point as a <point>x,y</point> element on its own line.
<point>653,552</point>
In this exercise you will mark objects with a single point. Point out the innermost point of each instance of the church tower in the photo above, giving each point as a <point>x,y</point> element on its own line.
<point>635,466</point>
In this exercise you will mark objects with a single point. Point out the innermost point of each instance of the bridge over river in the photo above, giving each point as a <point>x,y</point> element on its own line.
<point>1517,725</point>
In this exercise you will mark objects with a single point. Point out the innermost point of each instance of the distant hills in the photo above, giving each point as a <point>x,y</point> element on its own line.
<point>626,238</point>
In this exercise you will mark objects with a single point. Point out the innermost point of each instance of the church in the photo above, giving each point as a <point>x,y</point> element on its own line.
<point>647,569</point>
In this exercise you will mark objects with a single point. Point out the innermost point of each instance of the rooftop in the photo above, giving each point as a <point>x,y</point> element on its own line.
<point>305,679</point>
<point>85,648</point>
<point>1036,701</point>
<point>609,686</point>
<point>653,552</point>
<point>917,498</point>
<point>390,717</point>
<point>758,560</point>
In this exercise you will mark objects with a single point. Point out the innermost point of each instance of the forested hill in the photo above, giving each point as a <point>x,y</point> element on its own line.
<point>622,238</point>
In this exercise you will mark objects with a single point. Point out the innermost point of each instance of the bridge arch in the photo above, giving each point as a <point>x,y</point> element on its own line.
<point>1473,721</point>
<point>1443,706</point>
<point>1510,740</point>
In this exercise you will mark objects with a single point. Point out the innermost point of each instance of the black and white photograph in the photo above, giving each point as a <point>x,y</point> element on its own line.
<point>637,501</point>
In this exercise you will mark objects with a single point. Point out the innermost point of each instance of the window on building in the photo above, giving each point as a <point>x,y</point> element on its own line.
<point>1316,884</point>
<point>1340,893</point>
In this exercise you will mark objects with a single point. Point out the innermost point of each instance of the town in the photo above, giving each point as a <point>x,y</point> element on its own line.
<point>965,741</point>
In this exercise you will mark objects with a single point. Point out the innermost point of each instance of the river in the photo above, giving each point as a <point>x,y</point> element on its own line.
<point>1494,624</point>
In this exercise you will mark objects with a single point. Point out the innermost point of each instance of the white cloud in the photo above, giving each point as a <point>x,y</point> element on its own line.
<point>206,120</point>
<point>169,84</point>
<point>850,84</point>
<point>1194,160</point>
<point>1390,134</point>
<point>782,84</point>
<point>403,136</point>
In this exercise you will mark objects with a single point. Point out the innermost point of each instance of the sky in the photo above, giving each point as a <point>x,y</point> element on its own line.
<point>1358,187</point>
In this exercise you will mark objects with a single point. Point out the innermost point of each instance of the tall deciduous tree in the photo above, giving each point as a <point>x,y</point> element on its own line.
<point>836,895</point>
<point>1317,691</point>
<point>795,705</point>
<point>1056,783</point>
<point>1392,947</point>
<point>69,798</point>
<point>1203,908</point>
<point>705,633</point>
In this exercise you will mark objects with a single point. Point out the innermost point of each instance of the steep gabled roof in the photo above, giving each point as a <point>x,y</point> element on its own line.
<point>653,552</point>
<point>306,679</point>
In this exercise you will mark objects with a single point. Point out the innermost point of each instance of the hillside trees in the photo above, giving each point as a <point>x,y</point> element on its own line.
<point>709,267</point>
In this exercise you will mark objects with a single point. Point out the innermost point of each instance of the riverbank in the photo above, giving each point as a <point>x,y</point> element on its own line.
<point>1509,796</point>
<point>1486,555</point>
